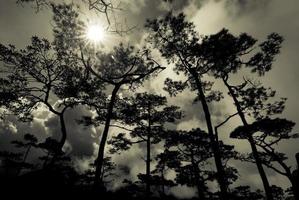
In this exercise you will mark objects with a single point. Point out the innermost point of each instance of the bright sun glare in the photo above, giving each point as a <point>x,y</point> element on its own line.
<point>95,33</point>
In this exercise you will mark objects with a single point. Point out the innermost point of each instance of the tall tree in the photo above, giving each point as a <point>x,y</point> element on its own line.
<point>148,113</point>
<point>272,132</point>
<point>33,77</point>
<point>179,43</point>
<point>122,66</point>
<point>193,152</point>
<point>166,161</point>
<point>226,54</point>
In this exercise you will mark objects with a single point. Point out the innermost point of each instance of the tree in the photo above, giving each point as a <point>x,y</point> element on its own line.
<point>192,150</point>
<point>166,160</point>
<point>272,131</point>
<point>148,113</point>
<point>87,178</point>
<point>11,163</point>
<point>45,71</point>
<point>226,53</point>
<point>29,142</point>
<point>244,193</point>
<point>122,66</point>
<point>178,42</point>
<point>30,77</point>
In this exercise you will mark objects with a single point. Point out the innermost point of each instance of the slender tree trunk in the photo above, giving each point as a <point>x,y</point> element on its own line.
<point>200,190</point>
<point>46,161</point>
<point>100,159</point>
<point>24,159</point>
<point>62,139</point>
<point>295,187</point>
<point>162,184</point>
<point>258,162</point>
<point>289,175</point>
<point>148,155</point>
<point>63,131</point>
<point>223,184</point>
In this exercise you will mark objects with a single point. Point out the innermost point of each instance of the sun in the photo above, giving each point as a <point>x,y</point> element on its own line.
<point>95,33</point>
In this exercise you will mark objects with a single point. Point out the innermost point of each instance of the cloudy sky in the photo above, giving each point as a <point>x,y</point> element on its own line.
<point>256,17</point>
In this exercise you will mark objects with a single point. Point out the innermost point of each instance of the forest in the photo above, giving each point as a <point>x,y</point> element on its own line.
<point>105,100</point>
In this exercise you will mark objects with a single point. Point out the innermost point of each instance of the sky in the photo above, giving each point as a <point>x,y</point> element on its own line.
<point>255,17</point>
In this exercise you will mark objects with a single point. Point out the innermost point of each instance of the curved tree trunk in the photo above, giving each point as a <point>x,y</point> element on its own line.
<point>63,131</point>
<point>258,162</point>
<point>288,174</point>
<point>100,159</point>
<point>223,184</point>
<point>61,141</point>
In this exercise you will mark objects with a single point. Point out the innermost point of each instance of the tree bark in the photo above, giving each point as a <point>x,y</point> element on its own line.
<point>259,165</point>
<point>223,184</point>
<point>98,182</point>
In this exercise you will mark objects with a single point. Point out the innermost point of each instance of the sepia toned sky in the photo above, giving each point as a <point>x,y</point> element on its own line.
<point>256,17</point>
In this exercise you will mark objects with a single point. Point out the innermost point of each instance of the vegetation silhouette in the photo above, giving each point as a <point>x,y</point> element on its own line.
<point>67,73</point>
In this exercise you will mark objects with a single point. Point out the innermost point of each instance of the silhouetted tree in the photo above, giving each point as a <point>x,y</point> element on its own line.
<point>178,42</point>
<point>122,66</point>
<point>226,54</point>
<point>11,162</point>
<point>87,178</point>
<point>267,133</point>
<point>244,193</point>
<point>166,160</point>
<point>29,142</point>
<point>148,113</point>
<point>32,75</point>
<point>295,175</point>
<point>192,150</point>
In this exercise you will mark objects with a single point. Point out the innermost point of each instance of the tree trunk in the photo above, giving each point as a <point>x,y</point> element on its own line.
<point>200,190</point>
<point>148,155</point>
<point>63,131</point>
<point>258,162</point>
<point>24,159</point>
<point>289,175</point>
<point>295,187</point>
<point>162,184</point>
<point>62,139</point>
<point>100,159</point>
<point>46,161</point>
<point>223,184</point>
